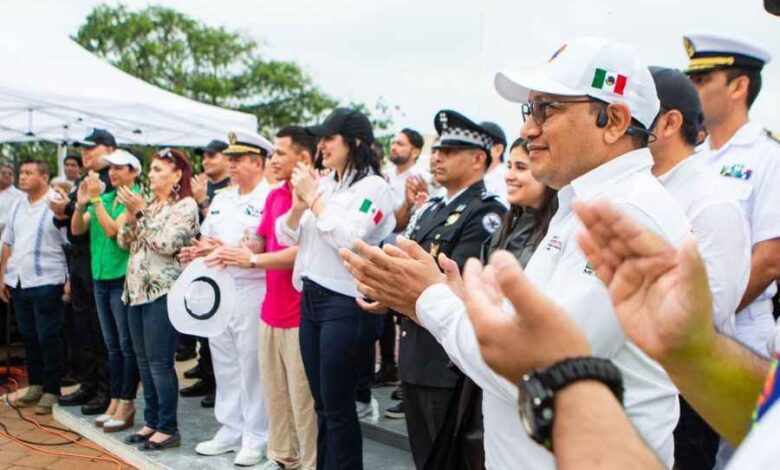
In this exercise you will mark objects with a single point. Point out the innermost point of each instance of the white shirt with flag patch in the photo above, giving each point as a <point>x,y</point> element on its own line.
<point>750,165</point>
<point>363,211</point>
<point>559,269</point>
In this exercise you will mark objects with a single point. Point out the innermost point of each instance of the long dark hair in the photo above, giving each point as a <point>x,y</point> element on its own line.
<point>361,158</point>
<point>542,216</point>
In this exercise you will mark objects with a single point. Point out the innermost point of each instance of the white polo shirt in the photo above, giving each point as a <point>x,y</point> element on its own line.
<point>495,182</point>
<point>363,210</point>
<point>397,182</point>
<point>234,218</point>
<point>721,232</point>
<point>37,255</point>
<point>559,269</point>
<point>750,166</point>
<point>8,198</point>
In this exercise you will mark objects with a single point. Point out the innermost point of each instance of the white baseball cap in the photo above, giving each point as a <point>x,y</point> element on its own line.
<point>601,68</point>
<point>121,157</point>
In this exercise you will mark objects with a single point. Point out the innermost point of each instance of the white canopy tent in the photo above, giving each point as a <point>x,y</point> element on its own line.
<point>52,89</point>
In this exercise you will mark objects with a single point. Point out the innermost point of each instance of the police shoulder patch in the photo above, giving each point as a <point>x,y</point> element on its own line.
<point>491,221</point>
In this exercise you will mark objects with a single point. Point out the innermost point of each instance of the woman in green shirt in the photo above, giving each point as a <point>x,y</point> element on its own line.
<point>102,215</point>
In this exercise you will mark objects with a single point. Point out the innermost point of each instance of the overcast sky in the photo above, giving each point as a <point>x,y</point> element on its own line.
<point>426,55</point>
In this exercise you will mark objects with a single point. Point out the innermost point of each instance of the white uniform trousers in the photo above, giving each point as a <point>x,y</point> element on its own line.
<point>240,404</point>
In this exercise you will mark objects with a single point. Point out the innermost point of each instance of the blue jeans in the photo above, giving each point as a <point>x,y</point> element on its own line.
<point>40,316</point>
<point>336,336</point>
<point>154,341</point>
<point>112,313</point>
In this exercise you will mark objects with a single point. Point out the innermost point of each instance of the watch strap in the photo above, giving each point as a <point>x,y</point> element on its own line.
<point>568,371</point>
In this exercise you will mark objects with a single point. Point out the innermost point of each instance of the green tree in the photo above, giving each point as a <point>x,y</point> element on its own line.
<point>209,64</point>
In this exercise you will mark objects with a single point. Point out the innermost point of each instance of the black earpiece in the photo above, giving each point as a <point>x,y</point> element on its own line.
<point>602,120</point>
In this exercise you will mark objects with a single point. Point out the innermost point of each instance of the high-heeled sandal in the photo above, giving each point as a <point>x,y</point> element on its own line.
<point>116,425</point>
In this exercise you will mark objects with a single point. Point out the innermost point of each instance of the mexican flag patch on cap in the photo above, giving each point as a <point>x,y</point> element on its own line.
<point>367,207</point>
<point>609,81</point>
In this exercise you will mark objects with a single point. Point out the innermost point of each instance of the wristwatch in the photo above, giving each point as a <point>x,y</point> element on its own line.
<point>139,214</point>
<point>537,391</point>
<point>253,261</point>
<point>204,204</point>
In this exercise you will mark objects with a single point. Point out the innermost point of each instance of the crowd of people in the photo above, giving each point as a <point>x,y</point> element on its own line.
<point>596,293</point>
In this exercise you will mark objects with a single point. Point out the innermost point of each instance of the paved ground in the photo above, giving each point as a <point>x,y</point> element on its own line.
<point>16,457</point>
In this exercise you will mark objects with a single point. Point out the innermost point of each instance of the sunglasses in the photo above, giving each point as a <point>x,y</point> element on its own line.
<point>539,109</point>
<point>167,154</point>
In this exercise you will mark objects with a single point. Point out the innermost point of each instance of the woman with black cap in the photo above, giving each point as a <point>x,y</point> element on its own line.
<point>352,202</point>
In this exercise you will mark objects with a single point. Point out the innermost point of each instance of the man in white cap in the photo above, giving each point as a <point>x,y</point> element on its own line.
<point>727,73</point>
<point>232,220</point>
<point>588,110</point>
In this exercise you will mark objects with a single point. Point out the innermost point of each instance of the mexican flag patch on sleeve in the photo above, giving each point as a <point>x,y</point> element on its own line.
<point>367,207</point>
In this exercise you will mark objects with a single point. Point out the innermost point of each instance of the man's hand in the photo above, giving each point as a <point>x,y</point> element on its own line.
<point>537,335</point>
<point>94,186</point>
<point>66,296</point>
<point>199,188</point>
<point>661,295</point>
<point>395,276</point>
<point>58,205</point>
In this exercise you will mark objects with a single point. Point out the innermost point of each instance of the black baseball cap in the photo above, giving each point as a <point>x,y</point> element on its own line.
<point>95,138</point>
<point>215,146</point>
<point>676,91</point>
<point>772,6</point>
<point>494,130</point>
<point>347,122</point>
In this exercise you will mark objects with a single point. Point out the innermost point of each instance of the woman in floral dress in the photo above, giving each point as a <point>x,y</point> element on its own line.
<point>154,232</point>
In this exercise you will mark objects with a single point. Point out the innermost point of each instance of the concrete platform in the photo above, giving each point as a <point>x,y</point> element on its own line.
<point>384,444</point>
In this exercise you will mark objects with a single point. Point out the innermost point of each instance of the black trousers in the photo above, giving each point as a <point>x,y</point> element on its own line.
<point>85,334</point>
<point>426,410</point>
<point>387,340</point>
<point>188,342</point>
<point>695,442</point>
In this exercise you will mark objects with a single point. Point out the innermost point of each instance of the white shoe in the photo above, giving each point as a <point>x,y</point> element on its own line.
<point>101,420</point>
<point>363,409</point>
<point>273,465</point>
<point>248,457</point>
<point>214,447</point>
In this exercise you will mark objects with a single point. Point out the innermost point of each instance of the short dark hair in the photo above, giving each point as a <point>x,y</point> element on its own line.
<point>75,158</point>
<point>43,167</point>
<point>754,86</point>
<point>300,138</point>
<point>415,138</point>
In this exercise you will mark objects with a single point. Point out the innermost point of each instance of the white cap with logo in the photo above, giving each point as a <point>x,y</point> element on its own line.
<point>601,68</point>
<point>121,157</point>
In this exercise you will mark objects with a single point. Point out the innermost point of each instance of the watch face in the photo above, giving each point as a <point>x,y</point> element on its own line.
<point>526,408</point>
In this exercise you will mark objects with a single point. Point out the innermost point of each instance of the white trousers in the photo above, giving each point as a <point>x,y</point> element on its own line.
<point>240,405</point>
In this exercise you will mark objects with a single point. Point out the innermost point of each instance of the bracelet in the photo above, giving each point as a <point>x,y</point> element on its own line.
<point>81,208</point>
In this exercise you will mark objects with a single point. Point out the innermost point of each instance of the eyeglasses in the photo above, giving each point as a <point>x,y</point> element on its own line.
<point>538,109</point>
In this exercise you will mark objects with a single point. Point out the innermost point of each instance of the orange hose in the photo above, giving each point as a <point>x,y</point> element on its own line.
<point>120,464</point>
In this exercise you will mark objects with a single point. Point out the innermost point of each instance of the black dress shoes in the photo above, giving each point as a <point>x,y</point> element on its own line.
<point>208,401</point>
<point>185,355</point>
<point>77,398</point>
<point>193,373</point>
<point>137,438</point>
<point>96,406</point>
<point>198,389</point>
<point>173,441</point>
